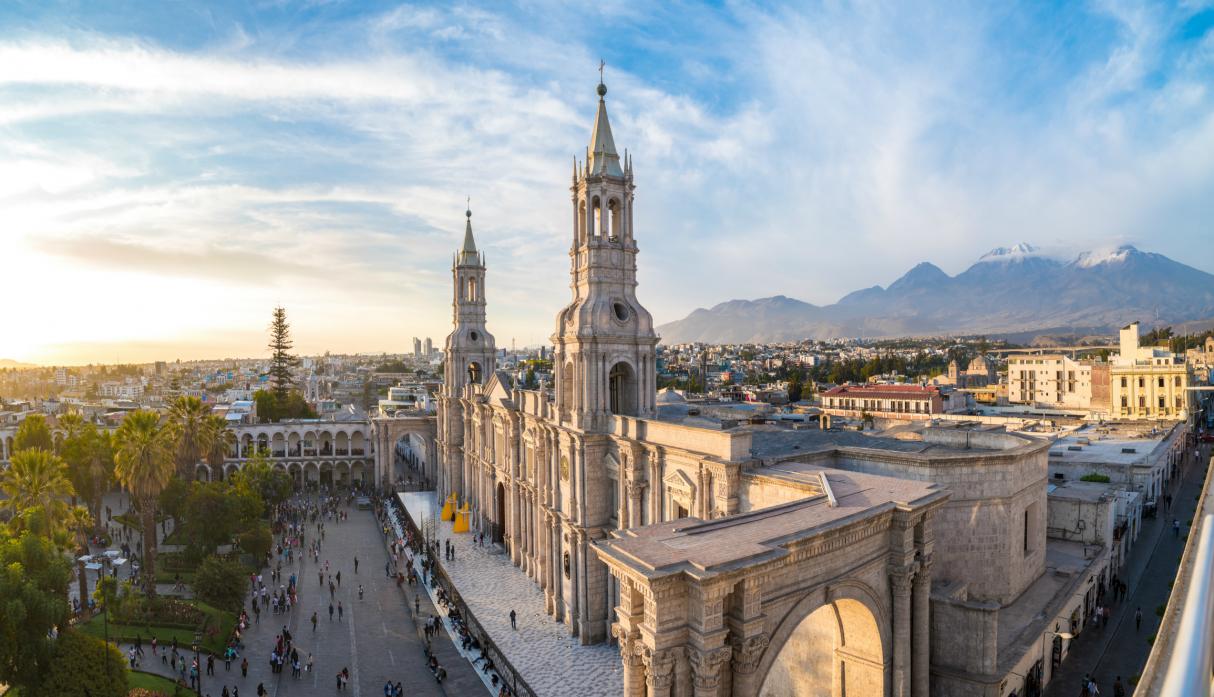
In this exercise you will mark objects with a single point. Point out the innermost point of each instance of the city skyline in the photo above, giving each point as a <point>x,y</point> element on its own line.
<point>171,175</point>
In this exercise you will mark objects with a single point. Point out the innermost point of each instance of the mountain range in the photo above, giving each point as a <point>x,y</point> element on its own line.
<point>1008,290</point>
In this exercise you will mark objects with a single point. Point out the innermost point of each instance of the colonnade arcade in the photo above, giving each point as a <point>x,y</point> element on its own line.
<point>844,612</point>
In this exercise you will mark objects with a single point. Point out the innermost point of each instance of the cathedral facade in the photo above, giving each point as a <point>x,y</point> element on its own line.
<point>548,472</point>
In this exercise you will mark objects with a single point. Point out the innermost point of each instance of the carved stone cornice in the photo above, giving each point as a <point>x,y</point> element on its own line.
<point>747,652</point>
<point>900,579</point>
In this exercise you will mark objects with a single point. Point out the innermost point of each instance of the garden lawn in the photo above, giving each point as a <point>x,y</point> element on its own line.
<point>215,630</point>
<point>150,681</point>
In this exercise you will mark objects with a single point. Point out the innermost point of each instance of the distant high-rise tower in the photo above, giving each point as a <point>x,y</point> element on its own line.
<point>417,347</point>
<point>429,347</point>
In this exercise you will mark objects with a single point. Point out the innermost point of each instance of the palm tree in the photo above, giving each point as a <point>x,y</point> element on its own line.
<point>37,479</point>
<point>221,439</point>
<point>190,436</point>
<point>144,465</point>
<point>80,523</point>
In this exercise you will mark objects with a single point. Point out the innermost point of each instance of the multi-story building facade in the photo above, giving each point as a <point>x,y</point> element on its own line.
<point>1050,380</point>
<point>1147,382</point>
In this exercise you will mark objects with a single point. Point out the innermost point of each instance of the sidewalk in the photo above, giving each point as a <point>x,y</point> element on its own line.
<point>1119,649</point>
<point>552,662</point>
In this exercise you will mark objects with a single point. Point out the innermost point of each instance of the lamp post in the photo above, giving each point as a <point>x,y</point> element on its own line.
<point>197,663</point>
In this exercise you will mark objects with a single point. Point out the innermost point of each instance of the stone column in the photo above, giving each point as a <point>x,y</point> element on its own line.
<point>920,655</point>
<point>900,587</point>
<point>636,490</point>
<point>659,671</point>
<point>706,667</point>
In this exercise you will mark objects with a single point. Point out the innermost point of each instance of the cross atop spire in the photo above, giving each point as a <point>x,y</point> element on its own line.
<point>469,244</point>
<point>603,158</point>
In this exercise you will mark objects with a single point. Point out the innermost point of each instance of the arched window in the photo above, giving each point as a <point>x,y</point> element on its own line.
<point>581,223</point>
<point>623,389</point>
<point>566,390</point>
<point>615,220</point>
<point>597,223</point>
<point>471,294</point>
<point>474,373</point>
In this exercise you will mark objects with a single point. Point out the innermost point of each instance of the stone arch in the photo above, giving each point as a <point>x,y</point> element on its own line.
<point>246,445</point>
<point>341,473</point>
<point>230,470</point>
<point>202,473</point>
<point>615,219</point>
<point>623,397</point>
<point>830,644</point>
<point>475,373</point>
<point>296,471</point>
<point>311,472</point>
<point>309,443</point>
<point>357,473</point>
<point>341,443</point>
<point>358,443</point>
<point>278,445</point>
<point>294,445</point>
<point>325,444</point>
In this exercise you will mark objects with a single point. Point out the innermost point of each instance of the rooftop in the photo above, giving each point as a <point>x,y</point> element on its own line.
<point>704,549</point>
<point>1108,445</point>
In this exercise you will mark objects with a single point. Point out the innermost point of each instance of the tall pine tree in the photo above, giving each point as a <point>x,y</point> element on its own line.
<point>281,360</point>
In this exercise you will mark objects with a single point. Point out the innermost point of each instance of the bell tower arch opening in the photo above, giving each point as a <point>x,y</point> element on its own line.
<point>834,651</point>
<point>622,384</point>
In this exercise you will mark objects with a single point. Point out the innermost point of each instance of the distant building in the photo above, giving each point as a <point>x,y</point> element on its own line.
<point>1147,382</point>
<point>1052,380</point>
<point>979,373</point>
<point>417,347</point>
<point>893,401</point>
<point>429,349</point>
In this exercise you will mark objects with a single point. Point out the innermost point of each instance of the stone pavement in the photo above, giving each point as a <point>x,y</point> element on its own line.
<point>552,662</point>
<point>376,637</point>
<point>1120,649</point>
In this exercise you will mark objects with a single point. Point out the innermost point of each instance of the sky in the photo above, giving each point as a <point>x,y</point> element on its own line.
<point>171,171</point>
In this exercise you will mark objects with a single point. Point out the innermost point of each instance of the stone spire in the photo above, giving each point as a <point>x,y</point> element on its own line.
<point>603,158</point>
<point>469,248</point>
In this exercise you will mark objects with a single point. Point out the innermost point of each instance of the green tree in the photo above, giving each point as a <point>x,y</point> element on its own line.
<point>187,426</point>
<point>144,465</point>
<point>83,665</point>
<point>221,440</point>
<point>214,512</point>
<point>36,482</point>
<point>282,362</point>
<point>221,583</point>
<point>256,541</point>
<point>34,576</point>
<point>262,479</point>
<point>89,453</point>
<point>33,433</point>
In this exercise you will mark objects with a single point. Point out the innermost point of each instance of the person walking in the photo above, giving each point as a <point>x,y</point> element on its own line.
<point>416,606</point>
<point>355,564</point>
<point>1118,688</point>
<point>1176,528</point>
<point>313,621</point>
<point>513,616</point>
<point>330,610</point>
<point>244,667</point>
<point>1137,620</point>
<point>340,612</point>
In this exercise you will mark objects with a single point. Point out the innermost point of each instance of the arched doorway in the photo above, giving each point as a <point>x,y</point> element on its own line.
<point>474,373</point>
<point>834,651</point>
<point>499,522</point>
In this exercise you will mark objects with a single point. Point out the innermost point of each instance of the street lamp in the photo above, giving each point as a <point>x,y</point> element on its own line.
<point>198,662</point>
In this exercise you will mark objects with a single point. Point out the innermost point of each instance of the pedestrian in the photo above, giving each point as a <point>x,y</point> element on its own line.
<point>416,606</point>
<point>1137,620</point>
<point>244,667</point>
<point>355,564</point>
<point>1176,528</point>
<point>338,577</point>
<point>513,616</point>
<point>330,610</point>
<point>313,621</point>
<point>388,569</point>
<point>1118,688</point>
<point>339,611</point>
<point>210,664</point>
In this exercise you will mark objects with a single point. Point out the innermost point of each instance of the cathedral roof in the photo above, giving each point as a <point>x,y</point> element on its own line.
<point>603,158</point>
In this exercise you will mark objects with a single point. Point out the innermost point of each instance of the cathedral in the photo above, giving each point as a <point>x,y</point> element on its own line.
<point>724,557</point>
<point>547,476</point>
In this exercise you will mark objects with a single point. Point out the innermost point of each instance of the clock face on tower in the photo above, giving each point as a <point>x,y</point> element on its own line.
<point>564,468</point>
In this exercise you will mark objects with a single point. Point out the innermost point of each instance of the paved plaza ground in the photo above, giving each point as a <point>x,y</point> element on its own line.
<point>552,662</point>
<point>1121,649</point>
<point>376,639</point>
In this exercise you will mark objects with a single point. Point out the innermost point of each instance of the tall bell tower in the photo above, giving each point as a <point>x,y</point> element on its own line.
<point>470,356</point>
<point>604,339</point>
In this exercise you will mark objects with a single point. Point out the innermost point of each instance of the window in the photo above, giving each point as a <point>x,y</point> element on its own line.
<point>1142,383</point>
<point>1161,382</point>
<point>1176,381</point>
<point>1163,402</point>
<point>1123,383</point>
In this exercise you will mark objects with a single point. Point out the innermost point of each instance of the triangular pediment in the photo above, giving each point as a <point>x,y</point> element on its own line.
<point>498,389</point>
<point>678,481</point>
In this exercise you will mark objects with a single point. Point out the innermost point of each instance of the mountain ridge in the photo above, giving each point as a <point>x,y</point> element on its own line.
<point>1010,289</point>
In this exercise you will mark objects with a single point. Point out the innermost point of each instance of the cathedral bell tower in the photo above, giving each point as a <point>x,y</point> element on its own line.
<point>470,355</point>
<point>604,339</point>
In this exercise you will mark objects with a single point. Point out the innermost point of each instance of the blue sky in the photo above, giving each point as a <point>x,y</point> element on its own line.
<point>169,171</point>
